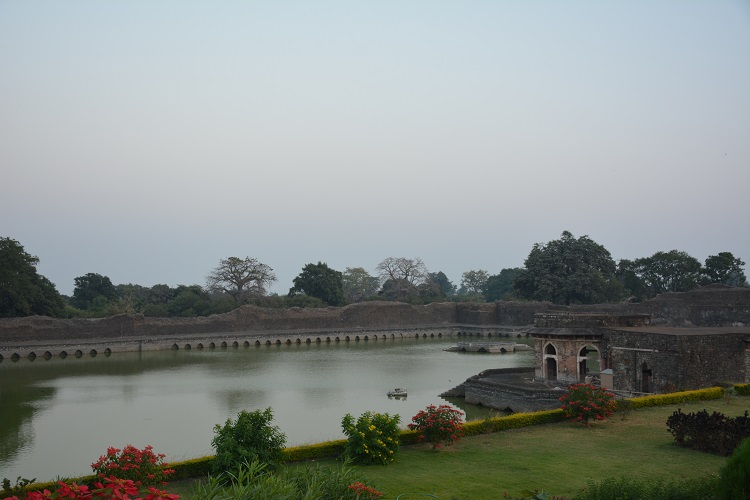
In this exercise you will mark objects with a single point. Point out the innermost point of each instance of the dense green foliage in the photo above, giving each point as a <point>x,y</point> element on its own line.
<point>710,432</point>
<point>372,438</point>
<point>319,280</point>
<point>250,437</point>
<point>23,291</point>
<point>93,291</point>
<point>566,271</point>
<point>500,286</point>
<point>725,269</point>
<point>734,478</point>
<point>676,271</point>
<point>569,271</point>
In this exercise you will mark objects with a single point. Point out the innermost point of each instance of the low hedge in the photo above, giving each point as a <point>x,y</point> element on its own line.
<point>312,451</point>
<point>742,389</point>
<point>513,421</point>
<point>195,467</point>
<point>676,397</point>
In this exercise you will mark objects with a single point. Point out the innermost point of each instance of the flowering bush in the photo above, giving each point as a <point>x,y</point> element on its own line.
<point>372,439</point>
<point>112,489</point>
<point>362,489</point>
<point>439,425</point>
<point>143,467</point>
<point>584,402</point>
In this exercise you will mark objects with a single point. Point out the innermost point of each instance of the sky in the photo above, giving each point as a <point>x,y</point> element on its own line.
<point>146,141</point>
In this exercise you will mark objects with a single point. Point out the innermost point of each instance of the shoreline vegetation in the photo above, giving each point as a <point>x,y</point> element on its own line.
<point>490,443</point>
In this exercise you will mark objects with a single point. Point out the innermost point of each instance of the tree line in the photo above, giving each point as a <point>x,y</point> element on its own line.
<point>568,270</point>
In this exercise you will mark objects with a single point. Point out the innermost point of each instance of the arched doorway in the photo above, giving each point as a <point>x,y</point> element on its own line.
<point>550,362</point>
<point>646,377</point>
<point>588,361</point>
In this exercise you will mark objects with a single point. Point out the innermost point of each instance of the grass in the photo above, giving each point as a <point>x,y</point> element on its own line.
<point>556,458</point>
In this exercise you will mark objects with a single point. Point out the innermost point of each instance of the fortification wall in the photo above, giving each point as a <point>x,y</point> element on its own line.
<point>708,306</point>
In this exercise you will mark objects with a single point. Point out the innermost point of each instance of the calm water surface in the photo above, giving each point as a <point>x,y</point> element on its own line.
<point>58,416</point>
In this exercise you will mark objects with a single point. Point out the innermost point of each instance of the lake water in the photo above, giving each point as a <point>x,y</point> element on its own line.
<point>58,416</point>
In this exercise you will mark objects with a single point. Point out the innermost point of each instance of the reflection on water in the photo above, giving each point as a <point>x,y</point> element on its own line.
<point>58,415</point>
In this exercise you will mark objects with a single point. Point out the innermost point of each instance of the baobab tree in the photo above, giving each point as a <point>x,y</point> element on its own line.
<point>241,278</point>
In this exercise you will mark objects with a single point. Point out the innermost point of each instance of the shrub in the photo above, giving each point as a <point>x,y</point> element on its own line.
<point>439,425</point>
<point>250,437</point>
<point>742,389</point>
<point>372,439</point>
<point>584,402</point>
<point>712,433</point>
<point>143,467</point>
<point>734,478</point>
<point>625,488</point>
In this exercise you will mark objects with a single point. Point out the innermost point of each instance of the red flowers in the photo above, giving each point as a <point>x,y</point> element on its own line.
<point>439,425</point>
<point>362,489</point>
<point>111,489</point>
<point>144,466</point>
<point>584,402</point>
<point>122,472</point>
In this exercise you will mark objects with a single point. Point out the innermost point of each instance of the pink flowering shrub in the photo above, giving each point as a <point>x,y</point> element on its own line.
<point>143,467</point>
<point>584,402</point>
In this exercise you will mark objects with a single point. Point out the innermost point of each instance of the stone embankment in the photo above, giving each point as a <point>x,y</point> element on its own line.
<point>250,325</point>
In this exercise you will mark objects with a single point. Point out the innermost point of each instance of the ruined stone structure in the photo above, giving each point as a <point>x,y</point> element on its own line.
<point>636,357</point>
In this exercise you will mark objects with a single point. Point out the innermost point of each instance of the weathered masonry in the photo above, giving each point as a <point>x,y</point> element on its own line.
<point>628,354</point>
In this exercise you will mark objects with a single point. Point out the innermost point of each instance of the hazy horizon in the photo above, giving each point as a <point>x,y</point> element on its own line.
<point>146,141</point>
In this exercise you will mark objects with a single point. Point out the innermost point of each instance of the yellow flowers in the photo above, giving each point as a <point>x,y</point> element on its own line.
<point>371,438</point>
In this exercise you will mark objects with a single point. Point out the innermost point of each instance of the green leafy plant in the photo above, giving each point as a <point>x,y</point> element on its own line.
<point>710,432</point>
<point>585,402</point>
<point>17,489</point>
<point>143,467</point>
<point>734,478</point>
<point>250,437</point>
<point>440,425</point>
<point>372,438</point>
<point>255,480</point>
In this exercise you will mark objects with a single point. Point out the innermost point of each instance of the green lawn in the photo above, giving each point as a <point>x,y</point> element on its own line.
<point>557,458</point>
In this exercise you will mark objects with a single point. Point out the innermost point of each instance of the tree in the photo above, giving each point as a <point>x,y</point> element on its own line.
<point>93,291</point>
<point>358,285</point>
<point>628,273</point>
<point>725,269</point>
<point>440,279</point>
<point>189,301</point>
<point>474,282</point>
<point>672,271</point>
<point>319,280</point>
<point>500,286</point>
<point>401,276</point>
<point>23,291</point>
<point>569,271</point>
<point>241,278</point>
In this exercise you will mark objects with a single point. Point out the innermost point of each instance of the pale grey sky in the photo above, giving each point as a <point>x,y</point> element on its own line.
<point>147,140</point>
